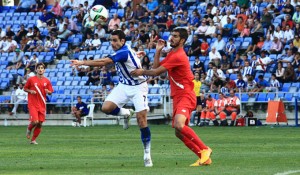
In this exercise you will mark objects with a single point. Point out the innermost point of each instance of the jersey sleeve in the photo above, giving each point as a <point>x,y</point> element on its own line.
<point>170,63</point>
<point>120,56</point>
<point>28,84</point>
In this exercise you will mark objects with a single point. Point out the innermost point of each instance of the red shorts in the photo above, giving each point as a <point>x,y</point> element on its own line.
<point>184,105</point>
<point>36,114</point>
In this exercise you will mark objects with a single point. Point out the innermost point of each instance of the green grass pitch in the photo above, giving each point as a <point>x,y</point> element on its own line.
<point>111,150</point>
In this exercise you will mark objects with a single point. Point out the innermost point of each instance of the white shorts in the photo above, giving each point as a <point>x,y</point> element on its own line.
<point>122,93</point>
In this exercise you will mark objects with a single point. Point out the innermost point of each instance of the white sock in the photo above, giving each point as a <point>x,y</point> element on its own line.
<point>124,112</point>
<point>147,151</point>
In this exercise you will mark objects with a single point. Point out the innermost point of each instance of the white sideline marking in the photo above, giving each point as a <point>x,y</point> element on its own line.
<point>288,172</point>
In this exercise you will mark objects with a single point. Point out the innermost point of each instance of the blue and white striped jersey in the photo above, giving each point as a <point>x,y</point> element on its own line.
<point>126,61</point>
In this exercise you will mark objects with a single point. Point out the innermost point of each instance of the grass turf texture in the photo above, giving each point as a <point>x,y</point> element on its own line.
<point>111,150</point>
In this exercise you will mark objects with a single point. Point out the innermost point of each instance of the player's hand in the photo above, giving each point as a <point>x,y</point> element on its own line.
<point>32,92</point>
<point>160,44</point>
<point>76,63</point>
<point>137,72</point>
<point>47,91</point>
<point>140,54</point>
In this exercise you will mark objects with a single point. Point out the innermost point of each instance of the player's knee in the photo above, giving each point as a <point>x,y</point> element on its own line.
<point>39,124</point>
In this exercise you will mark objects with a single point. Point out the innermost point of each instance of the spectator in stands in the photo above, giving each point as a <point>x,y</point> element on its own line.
<point>227,29</point>
<point>288,58</point>
<point>163,79</point>
<point>57,10</point>
<point>72,26</point>
<point>278,33</point>
<point>194,20</point>
<point>246,31</point>
<point>289,74</point>
<point>143,38</point>
<point>256,48</point>
<point>205,83</point>
<point>11,45</point>
<point>195,49</point>
<point>214,56</point>
<point>230,50</point>
<point>80,110</point>
<point>288,35</point>
<point>204,47</point>
<point>44,19</point>
<point>201,30</point>
<point>251,84</point>
<point>16,62</point>
<point>161,21</point>
<point>9,32</point>
<point>225,63</point>
<point>240,83</point>
<point>184,19</point>
<point>236,64</point>
<point>37,32</point>
<point>55,43</point>
<point>65,4</point>
<point>33,61</point>
<point>23,79</point>
<point>211,30</point>
<point>152,6</point>
<point>296,16</point>
<point>26,62</point>
<point>274,84</point>
<point>2,33</point>
<point>266,18</point>
<point>47,44</point>
<point>64,34</point>
<point>105,77</point>
<point>30,45</point>
<point>263,62</point>
<point>280,72</point>
<point>40,6</point>
<point>287,22</point>
<point>261,85</point>
<point>20,98</point>
<point>154,37</point>
<point>256,31</point>
<point>170,23</point>
<point>296,61</point>
<point>146,62</point>
<point>198,66</point>
<point>287,9</point>
<point>129,14</point>
<point>113,21</point>
<point>276,47</point>
<point>219,44</point>
<point>25,5</point>
<point>100,32</point>
<point>22,32</point>
<point>267,44</point>
<point>125,30</point>
<point>94,77</point>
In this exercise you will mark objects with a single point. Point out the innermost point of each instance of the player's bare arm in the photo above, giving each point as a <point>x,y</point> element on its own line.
<point>48,92</point>
<point>140,54</point>
<point>152,72</point>
<point>98,62</point>
<point>159,46</point>
<point>30,91</point>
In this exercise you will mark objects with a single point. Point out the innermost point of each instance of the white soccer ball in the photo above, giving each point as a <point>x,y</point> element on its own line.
<point>99,12</point>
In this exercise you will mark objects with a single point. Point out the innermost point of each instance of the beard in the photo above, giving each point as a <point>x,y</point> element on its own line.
<point>173,45</point>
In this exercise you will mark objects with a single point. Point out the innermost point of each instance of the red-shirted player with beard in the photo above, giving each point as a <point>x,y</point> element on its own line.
<point>184,98</point>
<point>37,87</point>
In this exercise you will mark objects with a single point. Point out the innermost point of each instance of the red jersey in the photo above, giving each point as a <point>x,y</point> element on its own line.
<point>179,71</point>
<point>39,85</point>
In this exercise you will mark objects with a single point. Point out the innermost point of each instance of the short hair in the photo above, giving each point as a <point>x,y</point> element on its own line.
<point>183,33</point>
<point>119,33</point>
<point>79,97</point>
<point>40,64</point>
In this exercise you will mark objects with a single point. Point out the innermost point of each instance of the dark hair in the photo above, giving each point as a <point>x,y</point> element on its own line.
<point>183,33</point>
<point>40,64</point>
<point>260,77</point>
<point>79,97</point>
<point>119,33</point>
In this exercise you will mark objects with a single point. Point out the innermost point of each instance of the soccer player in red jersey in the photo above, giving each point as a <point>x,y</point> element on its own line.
<point>184,98</point>
<point>37,87</point>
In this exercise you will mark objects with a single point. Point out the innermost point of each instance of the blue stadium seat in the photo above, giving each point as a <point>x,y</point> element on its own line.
<point>271,96</point>
<point>53,81</point>
<point>262,97</point>
<point>285,87</point>
<point>233,76</point>
<point>121,12</point>
<point>288,96</point>
<point>245,97</point>
<point>248,39</point>
<point>60,74</point>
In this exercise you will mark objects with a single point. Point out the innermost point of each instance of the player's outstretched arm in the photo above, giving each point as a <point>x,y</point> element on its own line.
<point>98,62</point>
<point>159,46</point>
<point>152,72</point>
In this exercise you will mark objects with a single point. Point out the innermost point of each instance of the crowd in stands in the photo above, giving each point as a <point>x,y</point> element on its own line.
<point>250,46</point>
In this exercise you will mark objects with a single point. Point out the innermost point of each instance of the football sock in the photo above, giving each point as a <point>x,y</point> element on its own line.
<point>36,133</point>
<point>115,111</point>
<point>191,145</point>
<point>124,112</point>
<point>191,135</point>
<point>30,126</point>
<point>146,139</point>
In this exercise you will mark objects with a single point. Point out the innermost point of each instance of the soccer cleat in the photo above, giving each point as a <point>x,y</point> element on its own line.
<point>28,134</point>
<point>148,162</point>
<point>127,119</point>
<point>33,142</point>
<point>197,163</point>
<point>205,155</point>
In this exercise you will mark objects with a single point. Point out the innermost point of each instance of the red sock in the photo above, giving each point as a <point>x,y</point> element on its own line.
<point>191,145</point>
<point>36,133</point>
<point>30,126</point>
<point>191,135</point>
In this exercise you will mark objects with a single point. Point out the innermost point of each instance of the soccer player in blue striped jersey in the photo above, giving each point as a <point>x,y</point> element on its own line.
<point>130,88</point>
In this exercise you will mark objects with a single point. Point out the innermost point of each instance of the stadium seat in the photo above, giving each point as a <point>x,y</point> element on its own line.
<point>285,87</point>
<point>271,96</point>
<point>288,97</point>
<point>262,97</point>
